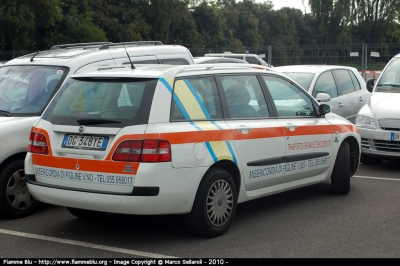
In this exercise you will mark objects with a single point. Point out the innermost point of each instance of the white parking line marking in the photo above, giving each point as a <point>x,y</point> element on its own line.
<point>87,245</point>
<point>372,177</point>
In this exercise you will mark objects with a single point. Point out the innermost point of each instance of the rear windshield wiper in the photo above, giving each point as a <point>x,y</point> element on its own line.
<point>96,121</point>
<point>5,113</point>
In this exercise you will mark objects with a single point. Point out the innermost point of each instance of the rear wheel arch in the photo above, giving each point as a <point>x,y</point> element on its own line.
<point>231,168</point>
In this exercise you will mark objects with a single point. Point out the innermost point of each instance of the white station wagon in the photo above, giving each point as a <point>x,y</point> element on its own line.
<point>28,83</point>
<point>193,140</point>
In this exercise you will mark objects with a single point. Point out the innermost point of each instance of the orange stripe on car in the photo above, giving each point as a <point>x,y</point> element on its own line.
<point>84,164</point>
<point>310,130</point>
<point>345,128</point>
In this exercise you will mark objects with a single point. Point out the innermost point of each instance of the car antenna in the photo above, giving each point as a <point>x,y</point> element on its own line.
<point>132,66</point>
<point>35,55</point>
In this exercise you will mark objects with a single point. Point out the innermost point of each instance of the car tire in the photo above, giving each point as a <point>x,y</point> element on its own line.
<point>214,206</point>
<point>15,199</point>
<point>86,214</point>
<point>340,179</point>
<point>368,160</point>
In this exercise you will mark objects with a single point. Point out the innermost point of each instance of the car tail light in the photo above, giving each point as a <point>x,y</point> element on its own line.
<point>156,151</point>
<point>128,150</point>
<point>38,143</point>
<point>143,151</point>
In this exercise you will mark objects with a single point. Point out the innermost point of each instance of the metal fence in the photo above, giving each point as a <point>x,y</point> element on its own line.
<point>372,56</point>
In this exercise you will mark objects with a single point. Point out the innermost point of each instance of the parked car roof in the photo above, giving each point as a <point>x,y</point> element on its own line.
<point>214,60</point>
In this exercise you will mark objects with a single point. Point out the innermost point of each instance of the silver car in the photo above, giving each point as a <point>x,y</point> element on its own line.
<point>379,120</point>
<point>341,87</point>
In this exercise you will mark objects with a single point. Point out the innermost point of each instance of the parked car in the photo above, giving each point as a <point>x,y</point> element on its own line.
<point>250,58</point>
<point>217,60</point>
<point>184,140</point>
<point>379,120</point>
<point>346,88</point>
<point>29,82</point>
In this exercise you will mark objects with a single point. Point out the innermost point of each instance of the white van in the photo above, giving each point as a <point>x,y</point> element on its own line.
<point>28,83</point>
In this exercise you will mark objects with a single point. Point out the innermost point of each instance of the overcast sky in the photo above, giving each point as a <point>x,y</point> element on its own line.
<point>278,4</point>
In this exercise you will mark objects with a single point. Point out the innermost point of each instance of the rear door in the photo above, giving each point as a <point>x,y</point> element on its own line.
<point>258,138</point>
<point>351,93</point>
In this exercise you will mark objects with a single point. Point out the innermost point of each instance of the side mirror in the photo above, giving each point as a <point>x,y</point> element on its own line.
<point>324,109</point>
<point>323,97</point>
<point>370,84</point>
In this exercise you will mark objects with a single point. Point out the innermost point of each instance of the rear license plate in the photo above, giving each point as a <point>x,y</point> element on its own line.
<point>395,136</point>
<point>85,142</point>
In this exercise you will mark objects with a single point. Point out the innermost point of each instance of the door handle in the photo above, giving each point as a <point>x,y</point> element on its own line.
<point>243,129</point>
<point>291,127</point>
<point>361,99</point>
<point>340,105</point>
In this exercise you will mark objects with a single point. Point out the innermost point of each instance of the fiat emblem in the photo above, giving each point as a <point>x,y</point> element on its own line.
<point>81,129</point>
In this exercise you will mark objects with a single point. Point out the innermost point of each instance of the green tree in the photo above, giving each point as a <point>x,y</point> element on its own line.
<point>373,20</point>
<point>119,16</point>
<point>81,28</point>
<point>23,21</point>
<point>330,21</point>
<point>187,34</point>
<point>165,17</point>
<point>247,30</point>
<point>211,25</point>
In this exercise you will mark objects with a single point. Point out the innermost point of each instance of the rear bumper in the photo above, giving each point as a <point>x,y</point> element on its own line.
<point>178,203</point>
<point>156,189</point>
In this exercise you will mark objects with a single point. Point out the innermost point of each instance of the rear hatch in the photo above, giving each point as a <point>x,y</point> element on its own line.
<point>83,129</point>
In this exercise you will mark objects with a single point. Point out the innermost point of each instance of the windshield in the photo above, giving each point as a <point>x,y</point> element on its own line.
<point>391,76</point>
<point>25,90</point>
<point>102,102</point>
<point>304,79</point>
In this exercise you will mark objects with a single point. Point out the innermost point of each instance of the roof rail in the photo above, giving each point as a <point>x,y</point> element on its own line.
<point>102,45</point>
<point>107,46</point>
<point>209,67</point>
<point>61,46</point>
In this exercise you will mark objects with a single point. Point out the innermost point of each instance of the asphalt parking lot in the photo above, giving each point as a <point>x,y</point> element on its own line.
<point>304,223</point>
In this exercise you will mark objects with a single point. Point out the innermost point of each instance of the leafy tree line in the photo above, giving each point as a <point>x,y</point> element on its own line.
<point>198,24</point>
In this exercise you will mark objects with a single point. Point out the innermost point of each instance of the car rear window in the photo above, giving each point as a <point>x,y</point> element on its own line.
<point>102,102</point>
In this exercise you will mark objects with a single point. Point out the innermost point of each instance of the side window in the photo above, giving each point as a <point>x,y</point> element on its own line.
<point>196,99</point>
<point>355,81</point>
<point>289,100</point>
<point>344,80</point>
<point>244,96</point>
<point>326,84</point>
<point>174,61</point>
<point>252,60</point>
